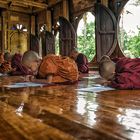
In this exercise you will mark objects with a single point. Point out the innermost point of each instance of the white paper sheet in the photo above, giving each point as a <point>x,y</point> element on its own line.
<point>95,89</point>
<point>92,77</point>
<point>24,84</point>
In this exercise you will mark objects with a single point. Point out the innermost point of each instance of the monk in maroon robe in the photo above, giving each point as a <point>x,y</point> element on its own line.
<point>81,61</point>
<point>17,65</point>
<point>5,63</point>
<point>123,74</point>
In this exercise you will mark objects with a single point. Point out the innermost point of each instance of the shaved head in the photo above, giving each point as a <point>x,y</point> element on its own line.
<point>29,57</point>
<point>105,58</point>
<point>7,56</point>
<point>106,68</point>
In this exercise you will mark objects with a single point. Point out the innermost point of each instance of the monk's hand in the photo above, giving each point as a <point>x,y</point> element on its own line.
<point>49,78</point>
<point>106,83</point>
<point>29,78</point>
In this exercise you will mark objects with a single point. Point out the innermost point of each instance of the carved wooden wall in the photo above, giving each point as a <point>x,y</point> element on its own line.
<point>35,46</point>
<point>106,31</point>
<point>47,43</point>
<point>16,32</point>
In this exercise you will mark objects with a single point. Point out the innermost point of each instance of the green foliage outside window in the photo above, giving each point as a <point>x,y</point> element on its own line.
<point>130,44</point>
<point>86,41</point>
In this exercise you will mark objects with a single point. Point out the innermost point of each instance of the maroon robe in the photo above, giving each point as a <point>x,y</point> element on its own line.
<point>82,63</point>
<point>127,74</point>
<point>16,64</point>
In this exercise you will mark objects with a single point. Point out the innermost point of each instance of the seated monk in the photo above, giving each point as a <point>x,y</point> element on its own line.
<point>6,63</point>
<point>81,61</point>
<point>16,64</point>
<point>52,68</point>
<point>7,57</point>
<point>123,74</point>
<point>1,58</point>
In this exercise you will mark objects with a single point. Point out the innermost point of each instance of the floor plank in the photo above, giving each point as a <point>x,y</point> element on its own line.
<point>62,112</point>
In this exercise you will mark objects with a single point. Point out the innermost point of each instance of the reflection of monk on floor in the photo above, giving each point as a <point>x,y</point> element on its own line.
<point>52,68</point>
<point>123,73</point>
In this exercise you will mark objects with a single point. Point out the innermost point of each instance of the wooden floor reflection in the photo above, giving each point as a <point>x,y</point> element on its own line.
<point>61,112</point>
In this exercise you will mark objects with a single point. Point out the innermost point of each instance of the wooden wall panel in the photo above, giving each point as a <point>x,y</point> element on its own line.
<point>106,31</point>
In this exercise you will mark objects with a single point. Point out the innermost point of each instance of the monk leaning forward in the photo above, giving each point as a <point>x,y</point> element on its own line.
<point>124,73</point>
<point>81,61</point>
<point>56,69</point>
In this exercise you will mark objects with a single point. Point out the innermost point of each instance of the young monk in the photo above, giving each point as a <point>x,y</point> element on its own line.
<point>16,64</point>
<point>7,57</point>
<point>81,61</point>
<point>56,69</point>
<point>124,74</point>
<point>5,66</point>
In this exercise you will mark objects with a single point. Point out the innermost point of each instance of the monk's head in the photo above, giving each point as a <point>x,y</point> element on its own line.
<point>31,60</point>
<point>74,53</point>
<point>7,56</point>
<point>107,68</point>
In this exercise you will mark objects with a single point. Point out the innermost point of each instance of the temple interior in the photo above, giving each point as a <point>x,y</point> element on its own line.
<point>85,110</point>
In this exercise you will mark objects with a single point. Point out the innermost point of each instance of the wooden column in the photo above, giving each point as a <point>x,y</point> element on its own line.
<point>48,21</point>
<point>104,2</point>
<point>65,9</point>
<point>4,30</point>
<point>33,25</point>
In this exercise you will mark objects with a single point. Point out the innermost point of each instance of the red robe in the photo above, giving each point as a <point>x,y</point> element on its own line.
<point>127,74</point>
<point>82,63</point>
<point>16,64</point>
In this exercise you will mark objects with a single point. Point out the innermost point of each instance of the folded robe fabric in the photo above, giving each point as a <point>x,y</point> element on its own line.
<point>127,74</point>
<point>82,63</point>
<point>63,69</point>
<point>20,69</point>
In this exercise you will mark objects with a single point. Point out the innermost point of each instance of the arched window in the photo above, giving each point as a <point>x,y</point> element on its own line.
<point>86,35</point>
<point>129,31</point>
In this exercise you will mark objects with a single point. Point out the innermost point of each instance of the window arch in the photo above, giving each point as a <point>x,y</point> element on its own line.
<point>86,35</point>
<point>129,31</point>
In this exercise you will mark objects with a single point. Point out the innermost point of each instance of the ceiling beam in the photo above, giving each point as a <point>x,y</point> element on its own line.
<point>20,9</point>
<point>24,3</point>
<point>29,3</point>
<point>50,5</point>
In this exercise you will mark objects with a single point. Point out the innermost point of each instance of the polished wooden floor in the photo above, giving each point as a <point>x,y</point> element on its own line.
<point>63,113</point>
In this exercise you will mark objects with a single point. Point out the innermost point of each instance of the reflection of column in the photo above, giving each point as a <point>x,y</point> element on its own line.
<point>87,106</point>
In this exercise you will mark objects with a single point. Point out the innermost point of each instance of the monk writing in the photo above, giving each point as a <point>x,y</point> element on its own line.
<point>123,74</point>
<point>81,61</point>
<point>56,69</point>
